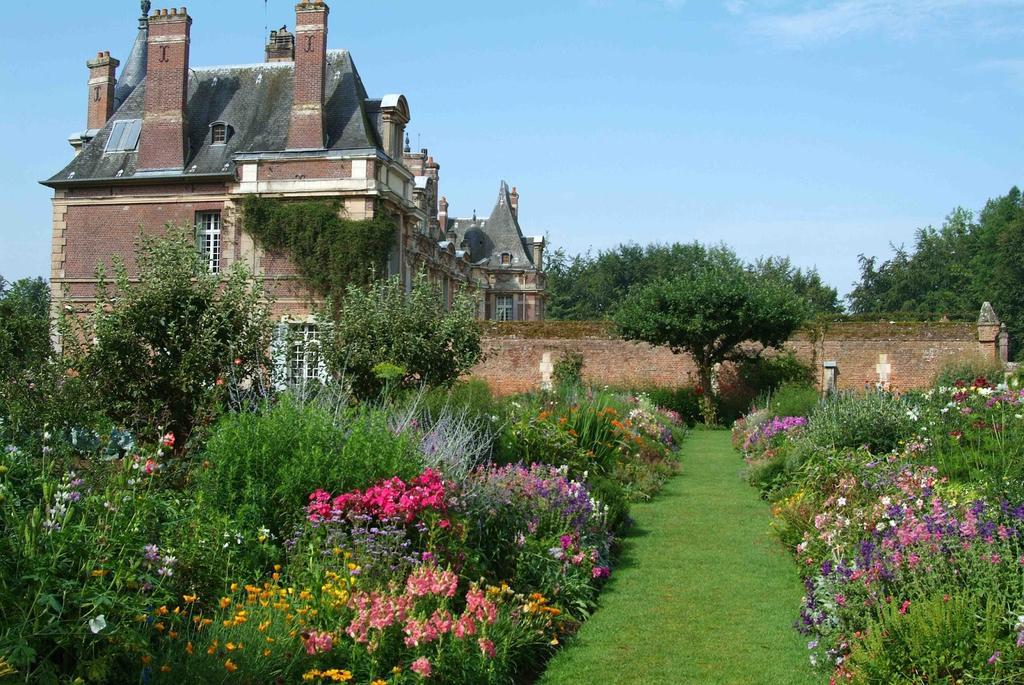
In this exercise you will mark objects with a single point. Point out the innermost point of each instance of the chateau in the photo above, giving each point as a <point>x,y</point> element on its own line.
<point>166,141</point>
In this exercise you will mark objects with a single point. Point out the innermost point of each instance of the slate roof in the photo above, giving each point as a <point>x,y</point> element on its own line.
<point>487,239</point>
<point>134,68</point>
<point>255,101</point>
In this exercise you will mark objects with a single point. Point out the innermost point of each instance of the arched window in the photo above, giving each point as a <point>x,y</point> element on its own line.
<point>219,133</point>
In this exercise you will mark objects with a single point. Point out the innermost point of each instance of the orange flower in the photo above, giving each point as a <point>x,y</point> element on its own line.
<point>230,666</point>
<point>189,649</point>
<point>225,602</point>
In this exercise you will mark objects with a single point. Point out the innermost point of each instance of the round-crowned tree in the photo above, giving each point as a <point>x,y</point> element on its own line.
<point>709,313</point>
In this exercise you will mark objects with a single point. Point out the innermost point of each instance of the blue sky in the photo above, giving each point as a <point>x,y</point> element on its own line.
<point>818,129</point>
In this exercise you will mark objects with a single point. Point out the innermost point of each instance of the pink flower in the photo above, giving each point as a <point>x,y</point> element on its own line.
<point>421,666</point>
<point>318,642</point>
<point>601,572</point>
<point>905,606</point>
<point>487,648</point>
<point>168,440</point>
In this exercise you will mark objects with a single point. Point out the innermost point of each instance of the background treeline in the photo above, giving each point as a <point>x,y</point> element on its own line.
<point>948,271</point>
<point>953,269</point>
<point>592,286</point>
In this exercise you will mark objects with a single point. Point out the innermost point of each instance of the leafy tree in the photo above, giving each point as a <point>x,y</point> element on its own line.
<point>380,334</point>
<point>24,325</point>
<point>823,299</point>
<point>164,347</point>
<point>709,313</point>
<point>953,269</point>
<point>592,286</point>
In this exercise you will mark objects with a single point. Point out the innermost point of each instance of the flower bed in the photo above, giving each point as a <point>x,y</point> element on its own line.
<point>123,562</point>
<point>913,558</point>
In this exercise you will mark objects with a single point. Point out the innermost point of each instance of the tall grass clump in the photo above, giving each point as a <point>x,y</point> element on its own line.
<point>969,369</point>
<point>256,466</point>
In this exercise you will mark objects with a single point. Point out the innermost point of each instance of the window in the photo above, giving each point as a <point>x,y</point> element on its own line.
<point>208,236</point>
<point>124,136</point>
<point>304,361</point>
<point>503,308</point>
<point>218,133</point>
<point>506,258</point>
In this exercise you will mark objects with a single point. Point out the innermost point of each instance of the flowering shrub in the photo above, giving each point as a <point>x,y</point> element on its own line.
<point>389,499</point>
<point>761,437</point>
<point>912,555</point>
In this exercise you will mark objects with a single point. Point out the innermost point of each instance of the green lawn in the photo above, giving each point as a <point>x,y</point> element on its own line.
<point>702,593</point>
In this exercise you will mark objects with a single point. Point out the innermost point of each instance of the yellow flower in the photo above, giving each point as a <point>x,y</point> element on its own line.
<point>166,668</point>
<point>230,666</point>
<point>162,611</point>
<point>234,587</point>
<point>99,572</point>
<point>230,646</point>
<point>310,675</point>
<point>379,682</point>
<point>189,598</point>
<point>225,602</point>
<point>266,652</point>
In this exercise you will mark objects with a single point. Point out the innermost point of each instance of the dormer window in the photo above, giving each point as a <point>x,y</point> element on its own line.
<point>219,133</point>
<point>124,136</point>
<point>506,258</point>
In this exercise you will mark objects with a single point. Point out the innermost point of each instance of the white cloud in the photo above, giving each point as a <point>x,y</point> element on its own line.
<point>832,19</point>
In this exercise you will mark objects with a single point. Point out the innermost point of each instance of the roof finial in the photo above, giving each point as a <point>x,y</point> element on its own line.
<point>474,215</point>
<point>407,148</point>
<point>145,4</point>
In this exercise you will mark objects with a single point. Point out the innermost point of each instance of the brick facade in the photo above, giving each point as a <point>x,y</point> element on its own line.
<point>298,127</point>
<point>519,357</point>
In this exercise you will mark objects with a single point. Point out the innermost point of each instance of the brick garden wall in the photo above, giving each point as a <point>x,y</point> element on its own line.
<point>519,355</point>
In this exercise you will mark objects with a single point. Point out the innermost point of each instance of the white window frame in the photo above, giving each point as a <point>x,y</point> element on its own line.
<point>504,308</point>
<point>208,238</point>
<point>305,360</point>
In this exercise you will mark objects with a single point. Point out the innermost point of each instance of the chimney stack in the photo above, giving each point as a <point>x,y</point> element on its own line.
<point>281,46</point>
<point>163,144</point>
<point>102,80</point>
<point>514,202</point>
<point>306,128</point>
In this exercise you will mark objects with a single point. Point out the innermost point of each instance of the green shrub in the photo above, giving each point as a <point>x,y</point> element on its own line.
<point>165,345</point>
<point>879,421</point>
<point>568,370</point>
<point>948,638</point>
<point>471,398</point>
<point>764,373</point>
<point>969,369</point>
<point>683,400</point>
<point>793,399</point>
<point>261,468</point>
<point>381,323</point>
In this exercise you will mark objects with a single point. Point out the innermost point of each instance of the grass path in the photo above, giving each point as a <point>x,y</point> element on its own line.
<point>702,593</point>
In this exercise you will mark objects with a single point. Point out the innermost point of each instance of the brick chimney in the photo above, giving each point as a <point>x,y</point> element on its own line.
<point>102,80</point>
<point>513,201</point>
<point>306,127</point>
<point>164,126</point>
<point>281,46</point>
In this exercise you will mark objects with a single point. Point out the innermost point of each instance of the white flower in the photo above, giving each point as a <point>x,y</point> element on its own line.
<point>97,624</point>
<point>841,501</point>
<point>886,501</point>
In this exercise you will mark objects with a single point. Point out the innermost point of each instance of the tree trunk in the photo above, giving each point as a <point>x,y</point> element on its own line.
<point>707,400</point>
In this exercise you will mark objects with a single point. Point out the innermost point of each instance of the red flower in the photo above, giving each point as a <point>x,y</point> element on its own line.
<point>168,440</point>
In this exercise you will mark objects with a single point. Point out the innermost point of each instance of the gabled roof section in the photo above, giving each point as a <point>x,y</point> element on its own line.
<point>255,101</point>
<point>500,233</point>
